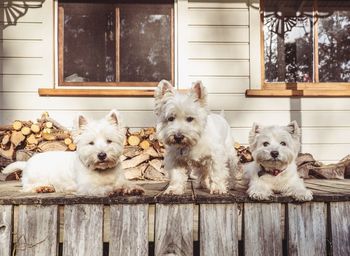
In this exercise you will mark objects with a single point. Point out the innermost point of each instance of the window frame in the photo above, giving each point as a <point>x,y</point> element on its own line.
<point>60,65</point>
<point>283,89</point>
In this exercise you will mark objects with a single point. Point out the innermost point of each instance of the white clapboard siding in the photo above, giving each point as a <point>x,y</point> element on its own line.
<point>219,17</point>
<point>32,14</point>
<point>218,51</point>
<point>224,4</point>
<point>28,31</point>
<point>229,34</point>
<point>21,83</point>
<point>221,68</point>
<point>223,85</point>
<point>21,66</point>
<point>21,48</point>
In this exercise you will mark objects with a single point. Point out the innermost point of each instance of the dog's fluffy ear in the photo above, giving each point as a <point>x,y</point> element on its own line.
<point>82,122</point>
<point>294,130</point>
<point>113,117</point>
<point>199,92</point>
<point>164,87</point>
<point>256,129</point>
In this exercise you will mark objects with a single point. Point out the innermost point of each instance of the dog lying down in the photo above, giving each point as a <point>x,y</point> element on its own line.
<point>94,169</point>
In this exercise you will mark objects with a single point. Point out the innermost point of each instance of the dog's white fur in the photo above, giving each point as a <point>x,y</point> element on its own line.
<point>286,141</point>
<point>206,150</point>
<point>81,172</point>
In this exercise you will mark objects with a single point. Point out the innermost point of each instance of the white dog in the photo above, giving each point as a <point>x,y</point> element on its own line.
<point>94,169</point>
<point>274,149</point>
<point>197,142</point>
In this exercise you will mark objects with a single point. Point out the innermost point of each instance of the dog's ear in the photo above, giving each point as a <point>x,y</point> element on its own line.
<point>82,121</point>
<point>253,133</point>
<point>199,92</point>
<point>113,117</point>
<point>293,129</point>
<point>164,88</point>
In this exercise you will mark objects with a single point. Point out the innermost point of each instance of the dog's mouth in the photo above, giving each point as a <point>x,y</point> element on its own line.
<point>104,165</point>
<point>274,163</point>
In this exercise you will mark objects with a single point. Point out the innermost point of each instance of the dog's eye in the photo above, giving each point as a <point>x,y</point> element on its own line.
<point>189,119</point>
<point>91,143</point>
<point>109,141</point>
<point>171,118</point>
<point>283,143</point>
<point>266,144</point>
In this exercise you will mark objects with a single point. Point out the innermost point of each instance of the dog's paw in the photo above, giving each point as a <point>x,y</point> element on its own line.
<point>218,189</point>
<point>259,194</point>
<point>134,190</point>
<point>174,190</point>
<point>303,195</point>
<point>45,189</point>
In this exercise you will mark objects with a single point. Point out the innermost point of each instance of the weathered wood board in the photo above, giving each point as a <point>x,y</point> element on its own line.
<point>128,230</point>
<point>6,215</point>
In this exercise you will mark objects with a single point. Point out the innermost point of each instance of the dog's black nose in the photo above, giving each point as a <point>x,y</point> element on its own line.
<point>102,156</point>
<point>274,154</point>
<point>178,137</point>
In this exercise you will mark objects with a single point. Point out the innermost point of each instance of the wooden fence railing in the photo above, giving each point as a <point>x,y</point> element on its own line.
<point>194,224</point>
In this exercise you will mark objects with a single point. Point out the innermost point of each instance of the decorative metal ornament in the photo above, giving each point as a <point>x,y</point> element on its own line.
<point>13,10</point>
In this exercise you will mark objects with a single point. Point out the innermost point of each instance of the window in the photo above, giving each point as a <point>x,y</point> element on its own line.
<point>305,44</point>
<point>115,43</point>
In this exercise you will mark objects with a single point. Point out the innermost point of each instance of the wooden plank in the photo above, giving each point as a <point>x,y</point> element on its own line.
<point>128,230</point>
<point>6,224</point>
<point>218,229</point>
<point>173,231</point>
<point>22,66</point>
<point>37,232</point>
<point>29,31</point>
<point>95,92</point>
<point>262,229</point>
<point>225,17</point>
<point>219,67</point>
<point>340,228</point>
<point>307,229</point>
<point>218,51</point>
<point>298,93</point>
<point>222,4</point>
<point>21,48</point>
<point>218,34</point>
<point>83,230</point>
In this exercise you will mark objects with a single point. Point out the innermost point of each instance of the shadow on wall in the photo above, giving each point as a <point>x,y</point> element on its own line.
<point>13,10</point>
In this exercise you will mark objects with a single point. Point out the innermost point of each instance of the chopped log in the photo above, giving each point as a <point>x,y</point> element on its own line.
<point>6,128</point>
<point>8,153</point>
<point>131,151</point>
<point>31,147</point>
<point>5,139</point>
<point>133,140</point>
<point>32,140</point>
<point>135,161</point>
<point>17,125</point>
<point>156,164</point>
<point>330,171</point>
<point>304,158</point>
<point>72,147</point>
<point>68,141</point>
<point>149,131</point>
<point>45,118</point>
<point>55,135</point>
<point>153,153</point>
<point>17,138</point>
<point>26,130</point>
<point>52,146</point>
<point>135,173</point>
<point>152,174</point>
<point>35,128</point>
<point>144,144</point>
<point>49,125</point>
<point>4,162</point>
<point>23,154</point>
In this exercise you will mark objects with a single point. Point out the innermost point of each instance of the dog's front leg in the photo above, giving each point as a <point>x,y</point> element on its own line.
<point>178,177</point>
<point>296,189</point>
<point>218,175</point>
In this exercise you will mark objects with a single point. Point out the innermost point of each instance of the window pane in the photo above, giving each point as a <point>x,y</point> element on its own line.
<point>334,41</point>
<point>89,42</point>
<point>288,41</point>
<point>145,43</point>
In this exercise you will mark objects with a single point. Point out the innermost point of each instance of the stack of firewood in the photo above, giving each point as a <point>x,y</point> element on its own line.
<point>21,139</point>
<point>143,155</point>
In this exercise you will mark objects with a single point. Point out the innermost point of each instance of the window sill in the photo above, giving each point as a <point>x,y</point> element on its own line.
<point>297,93</point>
<point>94,93</point>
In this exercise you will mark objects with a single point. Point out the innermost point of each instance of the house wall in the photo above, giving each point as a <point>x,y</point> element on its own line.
<point>217,42</point>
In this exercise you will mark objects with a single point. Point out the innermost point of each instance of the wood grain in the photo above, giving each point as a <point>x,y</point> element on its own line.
<point>83,230</point>
<point>307,229</point>
<point>218,229</point>
<point>95,92</point>
<point>173,230</point>
<point>340,228</point>
<point>6,212</point>
<point>297,93</point>
<point>128,223</point>
<point>37,232</point>
<point>262,229</point>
